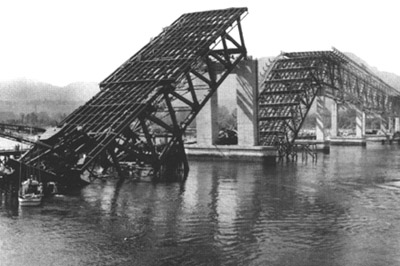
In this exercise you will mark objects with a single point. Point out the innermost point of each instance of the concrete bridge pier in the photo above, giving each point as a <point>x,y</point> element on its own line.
<point>334,120</point>
<point>396,124</point>
<point>390,124</point>
<point>322,143</point>
<point>243,82</point>
<point>389,127</point>
<point>358,139</point>
<point>246,101</point>
<point>383,125</point>
<point>360,124</point>
<point>207,123</point>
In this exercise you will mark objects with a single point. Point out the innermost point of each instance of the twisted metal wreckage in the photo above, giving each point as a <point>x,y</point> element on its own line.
<point>177,70</point>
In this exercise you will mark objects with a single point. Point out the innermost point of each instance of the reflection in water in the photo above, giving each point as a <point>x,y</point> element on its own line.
<point>343,210</point>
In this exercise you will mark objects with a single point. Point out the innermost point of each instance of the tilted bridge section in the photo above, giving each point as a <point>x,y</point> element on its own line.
<point>179,69</point>
<point>293,81</point>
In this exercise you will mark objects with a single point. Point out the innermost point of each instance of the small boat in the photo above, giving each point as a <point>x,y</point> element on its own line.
<point>31,193</point>
<point>30,200</point>
<point>51,189</point>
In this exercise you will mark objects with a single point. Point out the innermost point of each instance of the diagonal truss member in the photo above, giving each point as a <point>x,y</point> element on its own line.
<point>293,80</point>
<point>157,92</point>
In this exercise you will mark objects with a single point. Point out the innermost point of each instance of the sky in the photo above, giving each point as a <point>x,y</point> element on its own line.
<point>65,41</point>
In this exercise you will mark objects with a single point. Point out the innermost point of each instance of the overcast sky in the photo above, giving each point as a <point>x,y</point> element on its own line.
<point>63,41</point>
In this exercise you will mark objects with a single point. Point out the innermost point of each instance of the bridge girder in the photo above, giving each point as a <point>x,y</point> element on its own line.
<point>347,81</point>
<point>293,80</point>
<point>118,124</point>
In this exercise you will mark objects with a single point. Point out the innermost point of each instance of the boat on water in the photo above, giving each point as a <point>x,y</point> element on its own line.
<point>30,200</point>
<point>31,193</point>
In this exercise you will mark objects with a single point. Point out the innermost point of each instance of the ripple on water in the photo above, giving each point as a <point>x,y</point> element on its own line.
<point>343,210</point>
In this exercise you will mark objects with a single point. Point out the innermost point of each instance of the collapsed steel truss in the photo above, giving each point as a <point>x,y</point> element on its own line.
<point>140,101</point>
<point>293,80</point>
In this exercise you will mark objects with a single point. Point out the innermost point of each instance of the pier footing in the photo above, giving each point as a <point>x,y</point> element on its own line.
<point>246,153</point>
<point>349,141</point>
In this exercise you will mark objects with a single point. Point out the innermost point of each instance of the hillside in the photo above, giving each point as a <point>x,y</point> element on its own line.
<point>30,90</point>
<point>390,78</point>
<point>23,96</point>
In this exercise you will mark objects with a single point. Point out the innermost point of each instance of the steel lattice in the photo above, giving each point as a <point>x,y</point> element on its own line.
<point>293,81</point>
<point>116,123</point>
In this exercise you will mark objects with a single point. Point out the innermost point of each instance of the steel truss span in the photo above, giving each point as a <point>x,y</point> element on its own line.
<point>293,80</point>
<point>157,92</point>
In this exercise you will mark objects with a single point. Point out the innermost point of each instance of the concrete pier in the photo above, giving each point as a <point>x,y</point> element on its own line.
<point>396,124</point>
<point>320,133</point>
<point>334,119</point>
<point>390,124</point>
<point>360,124</point>
<point>207,122</point>
<point>243,82</point>
<point>246,100</point>
<point>357,140</point>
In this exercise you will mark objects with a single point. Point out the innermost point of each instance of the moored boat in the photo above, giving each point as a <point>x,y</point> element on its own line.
<point>31,193</point>
<point>30,200</point>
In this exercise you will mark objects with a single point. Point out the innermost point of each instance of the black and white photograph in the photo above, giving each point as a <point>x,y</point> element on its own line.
<point>204,133</point>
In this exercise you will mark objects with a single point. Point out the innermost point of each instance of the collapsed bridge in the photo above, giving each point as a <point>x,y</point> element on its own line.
<point>158,92</point>
<point>117,124</point>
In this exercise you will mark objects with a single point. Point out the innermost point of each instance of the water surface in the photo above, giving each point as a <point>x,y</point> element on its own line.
<point>342,210</point>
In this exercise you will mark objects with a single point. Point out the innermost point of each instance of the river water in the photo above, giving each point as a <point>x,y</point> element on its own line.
<point>342,210</point>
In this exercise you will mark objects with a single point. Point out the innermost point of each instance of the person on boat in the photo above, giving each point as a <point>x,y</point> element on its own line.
<point>25,187</point>
<point>39,188</point>
<point>30,186</point>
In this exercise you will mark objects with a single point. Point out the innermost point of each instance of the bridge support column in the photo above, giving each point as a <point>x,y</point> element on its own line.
<point>360,124</point>
<point>320,126</point>
<point>207,123</point>
<point>246,99</point>
<point>383,125</point>
<point>390,125</point>
<point>396,124</point>
<point>320,129</point>
<point>334,120</point>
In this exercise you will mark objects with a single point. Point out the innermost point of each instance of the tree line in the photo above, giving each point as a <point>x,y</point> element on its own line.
<point>38,119</point>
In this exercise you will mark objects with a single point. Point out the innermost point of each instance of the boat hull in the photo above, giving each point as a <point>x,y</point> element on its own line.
<point>31,201</point>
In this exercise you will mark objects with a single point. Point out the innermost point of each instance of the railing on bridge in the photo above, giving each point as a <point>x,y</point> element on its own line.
<point>295,79</point>
<point>21,128</point>
<point>20,133</point>
<point>139,99</point>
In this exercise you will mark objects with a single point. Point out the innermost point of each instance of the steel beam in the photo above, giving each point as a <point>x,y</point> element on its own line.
<point>136,92</point>
<point>299,76</point>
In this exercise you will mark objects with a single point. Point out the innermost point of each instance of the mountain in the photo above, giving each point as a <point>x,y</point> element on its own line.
<point>23,89</point>
<point>25,96</point>
<point>390,78</point>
